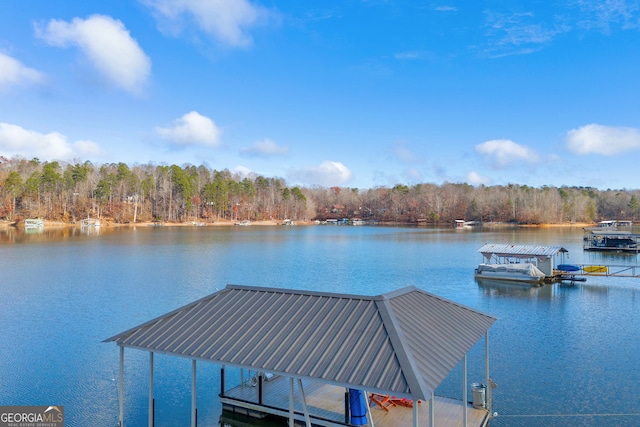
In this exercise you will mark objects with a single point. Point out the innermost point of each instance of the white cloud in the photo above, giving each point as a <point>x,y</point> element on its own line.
<point>15,140</point>
<point>264,148</point>
<point>520,28</point>
<point>107,44</point>
<point>13,72</point>
<point>526,28</point>
<point>601,15</point>
<point>414,54</point>
<point>326,174</point>
<point>243,171</point>
<point>475,178</point>
<point>412,175</point>
<point>227,21</point>
<point>192,129</point>
<point>517,33</point>
<point>445,9</point>
<point>403,153</point>
<point>599,139</point>
<point>504,153</point>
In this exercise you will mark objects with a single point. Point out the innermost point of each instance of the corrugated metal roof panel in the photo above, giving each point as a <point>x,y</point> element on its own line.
<point>402,343</point>
<point>437,332</point>
<point>501,249</point>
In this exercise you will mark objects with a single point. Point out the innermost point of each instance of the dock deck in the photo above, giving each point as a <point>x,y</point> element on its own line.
<point>326,406</point>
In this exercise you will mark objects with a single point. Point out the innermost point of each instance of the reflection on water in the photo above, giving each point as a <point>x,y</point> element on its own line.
<point>91,230</point>
<point>611,258</point>
<point>46,234</point>
<point>33,230</point>
<point>504,288</point>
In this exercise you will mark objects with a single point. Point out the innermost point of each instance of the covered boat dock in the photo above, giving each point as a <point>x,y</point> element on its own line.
<point>317,347</point>
<point>543,257</point>
<point>601,239</point>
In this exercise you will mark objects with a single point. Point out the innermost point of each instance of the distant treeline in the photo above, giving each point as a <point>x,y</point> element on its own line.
<point>70,192</point>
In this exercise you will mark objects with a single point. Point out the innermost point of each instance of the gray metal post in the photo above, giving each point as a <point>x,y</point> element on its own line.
<point>121,390</point>
<point>432,412</point>
<point>304,404</point>
<point>194,421</point>
<point>464,390</point>
<point>366,400</point>
<point>151,414</point>
<point>487,374</point>
<point>416,421</point>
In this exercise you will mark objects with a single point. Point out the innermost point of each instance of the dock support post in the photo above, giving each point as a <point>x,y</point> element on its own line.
<point>291,403</point>
<point>307,419</point>
<point>194,419</point>
<point>222,384</point>
<point>366,400</point>
<point>464,390</point>
<point>121,390</point>
<point>151,414</point>
<point>416,421</point>
<point>432,414</point>
<point>487,374</point>
<point>347,410</point>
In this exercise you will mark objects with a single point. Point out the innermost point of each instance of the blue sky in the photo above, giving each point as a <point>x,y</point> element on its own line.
<point>348,93</point>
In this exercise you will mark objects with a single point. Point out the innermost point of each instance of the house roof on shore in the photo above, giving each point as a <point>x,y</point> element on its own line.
<point>402,343</point>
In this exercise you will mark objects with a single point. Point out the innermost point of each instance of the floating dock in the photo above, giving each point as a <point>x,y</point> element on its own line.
<point>326,406</point>
<point>583,270</point>
<point>34,224</point>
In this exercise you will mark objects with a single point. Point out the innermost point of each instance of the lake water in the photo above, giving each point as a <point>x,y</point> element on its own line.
<point>562,355</point>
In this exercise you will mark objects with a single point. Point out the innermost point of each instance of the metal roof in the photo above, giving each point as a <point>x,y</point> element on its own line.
<point>522,251</point>
<point>403,343</point>
<point>605,232</point>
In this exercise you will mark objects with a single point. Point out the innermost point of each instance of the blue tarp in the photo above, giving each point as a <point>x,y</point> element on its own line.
<point>358,407</point>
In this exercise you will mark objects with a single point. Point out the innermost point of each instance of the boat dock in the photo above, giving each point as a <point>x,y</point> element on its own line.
<point>33,224</point>
<point>403,343</point>
<point>610,240</point>
<point>326,406</point>
<point>585,270</point>
<point>521,263</point>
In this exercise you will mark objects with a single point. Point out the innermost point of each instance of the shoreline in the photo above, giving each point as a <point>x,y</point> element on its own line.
<point>227,223</point>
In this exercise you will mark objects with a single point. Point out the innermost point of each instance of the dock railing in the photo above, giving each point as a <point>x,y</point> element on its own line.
<point>604,270</point>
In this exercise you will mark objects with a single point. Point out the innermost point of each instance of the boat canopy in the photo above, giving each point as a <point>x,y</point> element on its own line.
<point>521,252</point>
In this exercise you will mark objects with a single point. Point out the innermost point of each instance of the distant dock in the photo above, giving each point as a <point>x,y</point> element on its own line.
<point>610,240</point>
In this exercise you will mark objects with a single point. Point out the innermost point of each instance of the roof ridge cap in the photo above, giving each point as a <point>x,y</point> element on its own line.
<point>418,388</point>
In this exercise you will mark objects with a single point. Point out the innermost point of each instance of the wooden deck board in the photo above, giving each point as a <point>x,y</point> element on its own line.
<point>327,401</point>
